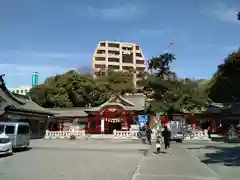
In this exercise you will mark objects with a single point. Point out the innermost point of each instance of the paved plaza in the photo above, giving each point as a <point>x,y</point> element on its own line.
<point>117,159</point>
<point>70,160</point>
<point>221,158</point>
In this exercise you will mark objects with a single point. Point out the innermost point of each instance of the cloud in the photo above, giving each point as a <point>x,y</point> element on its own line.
<point>57,55</point>
<point>222,12</point>
<point>122,12</point>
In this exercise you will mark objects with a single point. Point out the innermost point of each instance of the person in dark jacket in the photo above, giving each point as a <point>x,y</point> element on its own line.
<point>166,134</point>
<point>149,135</point>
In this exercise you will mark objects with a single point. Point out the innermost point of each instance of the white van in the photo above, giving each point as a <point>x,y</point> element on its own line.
<point>18,132</point>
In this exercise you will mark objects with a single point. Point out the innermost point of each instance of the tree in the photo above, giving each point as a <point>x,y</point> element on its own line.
<point>74,89</point>
<point>171,94</point>
<point>118,82</point>
<point>224,86</point>
<point>161,64</point>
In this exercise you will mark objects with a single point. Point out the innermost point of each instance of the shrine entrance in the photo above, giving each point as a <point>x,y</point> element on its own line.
<point>113,117</point>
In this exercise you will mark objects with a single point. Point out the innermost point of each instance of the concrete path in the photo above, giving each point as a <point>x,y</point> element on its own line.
<point>179,164</point>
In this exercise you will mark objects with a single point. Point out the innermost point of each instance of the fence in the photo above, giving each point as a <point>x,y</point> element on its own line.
<point>64,134</point>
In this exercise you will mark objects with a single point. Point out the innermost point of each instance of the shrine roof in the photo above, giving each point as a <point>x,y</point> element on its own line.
<point>18,102</point>
<point>130,103</point>
<point>137,100</point>
<point>223,109</point>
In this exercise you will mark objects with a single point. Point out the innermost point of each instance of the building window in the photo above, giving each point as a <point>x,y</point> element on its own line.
<point>113,60</point>
<point>138,54</point>
<point>126,58</point>
<point>102,44</point>
<point>21,91</point>
<point>100,66</point>
<point>100,51</point>
<point>113,45</point>
<point>99,58</point>
<point>140,61</point>
<point>137,48</point>
<point>17,91</point>
<point>112,67</point>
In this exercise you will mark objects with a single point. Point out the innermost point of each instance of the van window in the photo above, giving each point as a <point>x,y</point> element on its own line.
<point>9,129</point>
<point>22,129</point>
<point>1,129</point>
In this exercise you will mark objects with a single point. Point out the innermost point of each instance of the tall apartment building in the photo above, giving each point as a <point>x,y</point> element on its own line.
<point>118,56</point>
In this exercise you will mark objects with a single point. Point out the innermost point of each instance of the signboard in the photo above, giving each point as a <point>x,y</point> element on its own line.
<point>142,120</point>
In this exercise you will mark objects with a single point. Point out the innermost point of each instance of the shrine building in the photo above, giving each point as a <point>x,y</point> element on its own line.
<point>119,113</point>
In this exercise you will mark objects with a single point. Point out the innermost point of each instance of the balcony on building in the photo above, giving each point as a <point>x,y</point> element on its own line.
<point>100,53</point>
<point>113,46</point>
<point>113,54</point>
<point>99,59</point>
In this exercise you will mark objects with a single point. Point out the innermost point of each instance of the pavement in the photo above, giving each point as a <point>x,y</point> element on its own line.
<point>177,164</point>
<point>222,158</point>
<point>119,160</point>
<point>70,160</point>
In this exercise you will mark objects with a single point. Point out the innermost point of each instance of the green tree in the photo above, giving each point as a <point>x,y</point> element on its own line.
<point>160,65</point>
<point>171,94</point>
<point>224,86</point>
<point>117,82</point>
<point>74,89</point>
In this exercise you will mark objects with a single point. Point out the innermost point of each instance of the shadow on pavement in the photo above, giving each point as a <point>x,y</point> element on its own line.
<point>229,156</point>
<point>5,155</point>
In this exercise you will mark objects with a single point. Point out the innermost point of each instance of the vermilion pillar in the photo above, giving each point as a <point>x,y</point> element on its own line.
<point>165,120</point>
<point>212,125</point>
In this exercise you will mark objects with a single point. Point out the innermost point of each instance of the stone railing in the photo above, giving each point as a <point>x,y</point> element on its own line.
<point>125,134</point>
<point>64,134</point>
<point>198,135</point>
<point>129,134</point>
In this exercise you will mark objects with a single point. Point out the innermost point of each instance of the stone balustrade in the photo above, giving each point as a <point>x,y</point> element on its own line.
<point>64,134</point>
<point>197,135</point>
<point>125,134</point>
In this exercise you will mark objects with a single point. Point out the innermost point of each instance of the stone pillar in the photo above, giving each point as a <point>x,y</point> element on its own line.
<point>193,125</point>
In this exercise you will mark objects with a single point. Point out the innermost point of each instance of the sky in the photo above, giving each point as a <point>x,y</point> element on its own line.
<point>52,37</point>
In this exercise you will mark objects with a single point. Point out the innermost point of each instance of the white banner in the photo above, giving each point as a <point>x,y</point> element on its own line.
<point>102,125</point>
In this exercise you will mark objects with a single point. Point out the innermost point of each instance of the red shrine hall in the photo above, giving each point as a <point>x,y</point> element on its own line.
<point>117,113</point>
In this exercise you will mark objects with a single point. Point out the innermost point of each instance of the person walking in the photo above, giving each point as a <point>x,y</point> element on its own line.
<point>166,134</point>
<point>149,135</point>
<point>209,131</point>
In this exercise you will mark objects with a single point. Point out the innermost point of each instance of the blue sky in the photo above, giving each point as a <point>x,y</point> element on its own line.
<point>53,36</point>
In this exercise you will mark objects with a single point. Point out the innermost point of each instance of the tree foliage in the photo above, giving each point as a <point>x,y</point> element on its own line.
<point>170,93</point>
<point>73,89</point>
<point>224,86</point>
